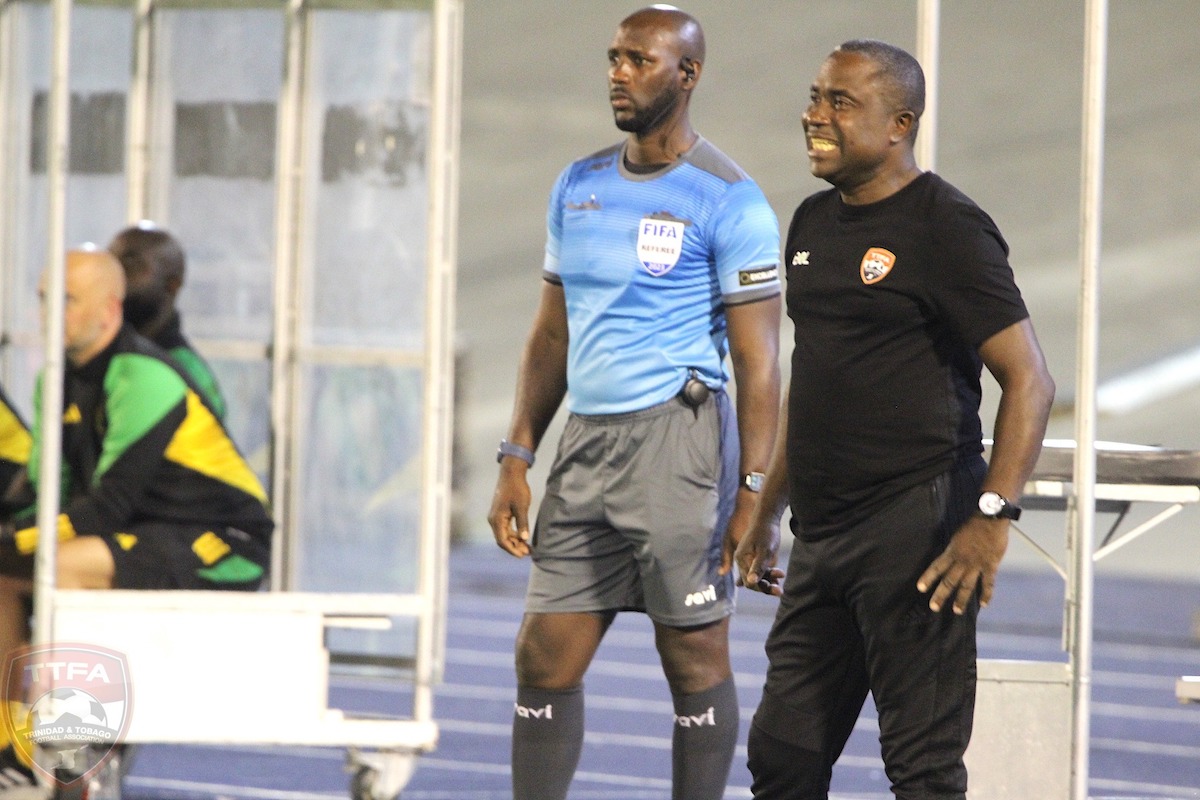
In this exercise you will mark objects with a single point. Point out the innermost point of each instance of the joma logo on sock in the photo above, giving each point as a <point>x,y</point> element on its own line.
<point>688,721</point>
<point>535,713</point>
<point>709,595</point>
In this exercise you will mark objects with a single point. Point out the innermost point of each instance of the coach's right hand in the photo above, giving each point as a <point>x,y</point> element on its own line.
<point>509,516</point>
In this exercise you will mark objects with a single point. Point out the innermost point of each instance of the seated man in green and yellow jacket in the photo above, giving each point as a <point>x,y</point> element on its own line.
<point>146,460</point>
<point>154,493</point>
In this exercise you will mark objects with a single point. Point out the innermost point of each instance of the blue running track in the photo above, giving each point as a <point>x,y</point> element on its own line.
<point>1144,744</point>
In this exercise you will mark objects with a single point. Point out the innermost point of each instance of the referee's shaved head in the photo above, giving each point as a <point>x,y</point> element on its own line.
<point>685,27</point>
<point>654,64</point>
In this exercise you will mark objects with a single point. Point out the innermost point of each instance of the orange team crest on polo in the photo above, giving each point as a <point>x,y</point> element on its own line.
<point>876,264</point>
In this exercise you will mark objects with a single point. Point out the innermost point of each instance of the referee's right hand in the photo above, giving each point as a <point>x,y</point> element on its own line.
<point>509,516</point>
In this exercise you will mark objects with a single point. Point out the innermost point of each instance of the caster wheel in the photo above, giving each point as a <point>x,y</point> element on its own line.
<point>380,775</point>
<point>363,783</point>
<point>75,790</point>
<point>104,783</point>
<point>366,785</point>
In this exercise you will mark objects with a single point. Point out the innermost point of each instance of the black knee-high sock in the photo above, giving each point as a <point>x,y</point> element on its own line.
<point>547,737</point>
<point>706,730</point>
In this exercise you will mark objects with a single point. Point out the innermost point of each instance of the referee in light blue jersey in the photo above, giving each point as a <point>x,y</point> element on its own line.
<point>661,259</point>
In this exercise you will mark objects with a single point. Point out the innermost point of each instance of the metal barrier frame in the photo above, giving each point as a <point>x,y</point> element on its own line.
<point>435,361</point>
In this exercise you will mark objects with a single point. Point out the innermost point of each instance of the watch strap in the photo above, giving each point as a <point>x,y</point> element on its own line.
<point>1010,511</point>
<point>507,448</point>
<point>1007,509</point>
<point>754,481</point>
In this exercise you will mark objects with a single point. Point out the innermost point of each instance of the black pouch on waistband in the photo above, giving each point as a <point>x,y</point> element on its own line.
<point>694,391</point>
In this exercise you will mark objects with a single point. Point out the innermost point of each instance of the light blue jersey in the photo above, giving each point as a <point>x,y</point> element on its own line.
<point>648,264</point>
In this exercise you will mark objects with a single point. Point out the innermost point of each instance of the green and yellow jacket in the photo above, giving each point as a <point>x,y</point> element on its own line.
<point>15,444</point>
<point>141,442</point>
<point>171,339</point>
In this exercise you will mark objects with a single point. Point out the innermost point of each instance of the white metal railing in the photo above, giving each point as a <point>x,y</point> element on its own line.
<point>287,352</point>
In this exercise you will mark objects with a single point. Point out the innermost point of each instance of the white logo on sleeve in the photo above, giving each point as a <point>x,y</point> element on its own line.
<point>702,597</point>
<point>659,244</point>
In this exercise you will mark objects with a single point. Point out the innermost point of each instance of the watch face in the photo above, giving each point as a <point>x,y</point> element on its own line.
<point>754,481</point>
<point>990,503</point>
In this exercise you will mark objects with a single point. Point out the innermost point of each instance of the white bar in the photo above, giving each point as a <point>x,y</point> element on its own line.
<point>348,604</point>
<point>1130,535</point>
<point>284,382</point>
<point>364,356</point>
<point>1082,507</point>
<point>233,349</point>
<point>440,270</point>
<point>1131,492</point>
<point>52,373</point>
<point>334,730</point>
<point>1049,559</point>
<point>137,124</point>
<point>9,196</point>
<point>928,46</point>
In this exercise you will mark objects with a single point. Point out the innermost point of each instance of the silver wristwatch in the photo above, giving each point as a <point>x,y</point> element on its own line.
<point>994,506</point>
<point>754,481</point>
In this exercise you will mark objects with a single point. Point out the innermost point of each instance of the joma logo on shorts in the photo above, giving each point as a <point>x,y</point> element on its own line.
<point>534,713</point>
<point>688,721</point>
<point>709,595</point>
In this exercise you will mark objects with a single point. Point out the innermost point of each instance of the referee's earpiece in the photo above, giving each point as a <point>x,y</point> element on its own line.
<point>689,70</point>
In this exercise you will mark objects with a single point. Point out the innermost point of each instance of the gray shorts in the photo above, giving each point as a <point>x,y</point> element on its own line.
<point>635,512</point>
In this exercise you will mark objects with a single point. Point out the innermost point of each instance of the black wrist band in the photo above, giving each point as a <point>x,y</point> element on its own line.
<point>507,448</point>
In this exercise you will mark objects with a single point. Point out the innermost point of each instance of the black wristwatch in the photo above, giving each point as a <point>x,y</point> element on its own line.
<point>994,506</point>
<point>754,481</point>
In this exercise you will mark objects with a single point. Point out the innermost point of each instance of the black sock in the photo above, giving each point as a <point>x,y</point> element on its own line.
<point>706,731</point>
<point>547,738</point>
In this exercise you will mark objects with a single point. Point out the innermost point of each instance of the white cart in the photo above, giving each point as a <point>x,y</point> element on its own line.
<point>184,691</point>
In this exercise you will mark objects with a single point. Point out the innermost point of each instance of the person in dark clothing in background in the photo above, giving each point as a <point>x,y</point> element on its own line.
<point>155,265</point>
